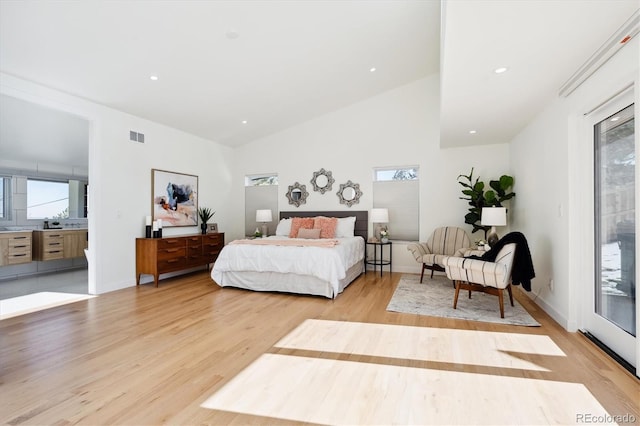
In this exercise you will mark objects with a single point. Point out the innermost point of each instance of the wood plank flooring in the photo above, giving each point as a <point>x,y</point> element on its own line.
<point>147,355</point>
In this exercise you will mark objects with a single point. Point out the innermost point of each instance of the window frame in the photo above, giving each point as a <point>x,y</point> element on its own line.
<point>398,215</point>
<point>5,184</point>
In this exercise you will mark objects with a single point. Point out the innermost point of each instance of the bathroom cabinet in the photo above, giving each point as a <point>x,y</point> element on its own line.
<point>52,244</point>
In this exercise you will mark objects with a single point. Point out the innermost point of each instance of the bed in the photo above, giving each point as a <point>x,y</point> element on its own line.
<point>270,265</point>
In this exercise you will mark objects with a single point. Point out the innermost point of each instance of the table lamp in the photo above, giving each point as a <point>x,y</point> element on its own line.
<point>493,216</point>
<point>264,216</point>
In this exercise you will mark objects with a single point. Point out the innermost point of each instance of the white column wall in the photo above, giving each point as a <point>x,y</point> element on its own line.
<point>551,158</point>
<point>120,178</point>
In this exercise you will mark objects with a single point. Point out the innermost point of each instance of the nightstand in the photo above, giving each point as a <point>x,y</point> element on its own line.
<point>378,261</point>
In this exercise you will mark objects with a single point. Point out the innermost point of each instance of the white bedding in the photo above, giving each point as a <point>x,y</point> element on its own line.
<point>326,264</point>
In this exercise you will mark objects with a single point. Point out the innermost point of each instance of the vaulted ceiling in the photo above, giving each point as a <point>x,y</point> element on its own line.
<point>234,71</point>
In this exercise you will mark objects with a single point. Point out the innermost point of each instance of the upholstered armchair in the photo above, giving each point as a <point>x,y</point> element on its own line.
<point>479,275</point>
<point>443,242</point>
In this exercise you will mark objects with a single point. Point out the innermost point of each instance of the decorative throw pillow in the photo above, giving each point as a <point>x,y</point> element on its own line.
<point>284,228</point>
<point>345,227</point>
<point>309,233</point>
<point>326,225</point>
<point>300,222</point>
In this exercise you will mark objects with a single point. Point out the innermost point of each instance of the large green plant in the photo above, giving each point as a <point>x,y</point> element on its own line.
<point>478,198</point>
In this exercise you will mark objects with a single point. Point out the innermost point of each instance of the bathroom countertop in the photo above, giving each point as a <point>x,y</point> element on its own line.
<point>13,231</point>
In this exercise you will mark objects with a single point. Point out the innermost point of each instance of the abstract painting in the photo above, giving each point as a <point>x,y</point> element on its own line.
<point>174,198</point>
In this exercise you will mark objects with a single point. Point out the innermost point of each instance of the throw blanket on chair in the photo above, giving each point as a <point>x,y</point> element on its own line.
<point>522,271</point>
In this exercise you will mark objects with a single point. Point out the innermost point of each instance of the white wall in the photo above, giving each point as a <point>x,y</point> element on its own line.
<point>396,128</point>
<point>551,158</point>
<point>120,178</point>
<point>399,127</point>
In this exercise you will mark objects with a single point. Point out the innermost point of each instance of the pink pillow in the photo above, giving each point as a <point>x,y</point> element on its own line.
<point>326,225</point>
<point>300,222</point>
<point>313,234</point>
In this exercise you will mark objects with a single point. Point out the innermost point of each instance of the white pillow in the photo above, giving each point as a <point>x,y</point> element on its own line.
<point>284,228</point>
<point>346,226</point>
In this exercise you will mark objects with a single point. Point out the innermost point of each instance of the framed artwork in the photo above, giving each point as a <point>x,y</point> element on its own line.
<point>174,198</point>
<point>212,228</point>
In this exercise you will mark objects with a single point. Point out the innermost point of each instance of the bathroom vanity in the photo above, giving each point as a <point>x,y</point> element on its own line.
<point>15,247</point>
<point>52,244</point>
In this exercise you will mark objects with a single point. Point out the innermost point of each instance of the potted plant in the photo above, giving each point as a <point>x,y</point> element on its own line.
<point>384,235</point>
<point>478,198</point>
<point>205,214</point>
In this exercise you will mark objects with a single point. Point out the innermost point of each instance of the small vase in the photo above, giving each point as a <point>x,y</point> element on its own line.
<point>204,228</point>
<point>384,240</point>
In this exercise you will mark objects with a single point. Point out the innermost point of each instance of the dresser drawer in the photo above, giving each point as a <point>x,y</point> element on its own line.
<point>172,253</point>
<point>53,253</point>
<point>213,239</point>
<point>19,243</point>
<point>169,265</point>
<point>17,258</point>
<point>167,243</point>
<point>48,237</point>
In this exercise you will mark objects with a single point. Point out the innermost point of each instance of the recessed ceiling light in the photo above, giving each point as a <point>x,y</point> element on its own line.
<point>615,118</point>
<point>244,121</point>
<point>154,77</point>
<point>500,70</point>
<point>472,132</point>
<point>372,69</point>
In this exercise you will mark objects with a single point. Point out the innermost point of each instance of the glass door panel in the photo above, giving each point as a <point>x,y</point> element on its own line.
<point>615,227</point>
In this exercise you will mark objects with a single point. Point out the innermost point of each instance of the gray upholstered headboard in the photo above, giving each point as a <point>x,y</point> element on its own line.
<point>362,218</point>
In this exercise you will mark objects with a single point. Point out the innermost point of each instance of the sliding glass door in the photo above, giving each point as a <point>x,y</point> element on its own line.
<point>612,316</point>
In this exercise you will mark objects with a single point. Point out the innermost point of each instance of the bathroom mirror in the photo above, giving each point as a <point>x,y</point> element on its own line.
<point>349,193</point>
<point>322,181</point>
<point>297,194</point>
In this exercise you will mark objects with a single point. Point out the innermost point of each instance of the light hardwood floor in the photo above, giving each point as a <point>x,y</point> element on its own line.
<point>150,355</point>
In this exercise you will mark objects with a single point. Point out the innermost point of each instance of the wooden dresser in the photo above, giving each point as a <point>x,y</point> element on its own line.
<point>155,256</point>
<point>15,247</point>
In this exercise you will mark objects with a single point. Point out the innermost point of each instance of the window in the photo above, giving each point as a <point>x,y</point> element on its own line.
<point>47,199</point>
<point>5,197</point>
<point>261,180</point>
<point>395,174</point>
<point>397,189</point>
<point>260,192</point>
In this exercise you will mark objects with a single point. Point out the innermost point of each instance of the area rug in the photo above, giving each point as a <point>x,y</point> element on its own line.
<point>434,297</point>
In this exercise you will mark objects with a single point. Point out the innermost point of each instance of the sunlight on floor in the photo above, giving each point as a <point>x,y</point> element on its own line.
<point>335,391</point>
<point>491,349</point>
<point>35,302</point>
<point>345,392</point>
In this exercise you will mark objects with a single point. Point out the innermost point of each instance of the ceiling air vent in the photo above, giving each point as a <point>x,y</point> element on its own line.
<point>616,42</point>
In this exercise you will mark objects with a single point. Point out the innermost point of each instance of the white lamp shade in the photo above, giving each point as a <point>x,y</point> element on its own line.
<point>380,215</point>
<point>494,216</point>
<point>263,216</point>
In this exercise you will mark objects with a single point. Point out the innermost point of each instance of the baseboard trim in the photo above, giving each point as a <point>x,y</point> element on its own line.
<point>630,368</point>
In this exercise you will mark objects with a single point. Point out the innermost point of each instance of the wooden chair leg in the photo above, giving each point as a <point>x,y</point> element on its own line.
<point>424,266</point>
<point>500,300</point>
<point>510,294</point>
<point>455,297</point>
<point>432,269</point>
